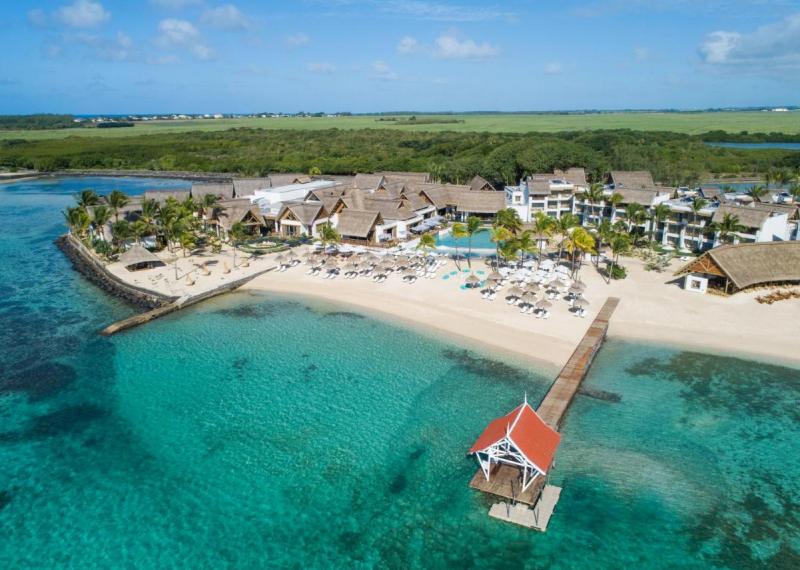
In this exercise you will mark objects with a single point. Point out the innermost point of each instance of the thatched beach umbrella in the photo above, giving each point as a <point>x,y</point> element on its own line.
<point>578,286</point>
<point>409,273</point>
<point>280,259</point>
<point>581,303</point>
<point>495,276</point>
<point>533,287</point>
<point>331,263</point>
<point>555,284</point>
<point>575,291</point>
<point>515,292</point>
<point>544,304</point>
<point>473,280</point>
<point>529,296</point>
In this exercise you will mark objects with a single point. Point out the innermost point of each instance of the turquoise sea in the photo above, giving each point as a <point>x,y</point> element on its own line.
<point>260,432</point>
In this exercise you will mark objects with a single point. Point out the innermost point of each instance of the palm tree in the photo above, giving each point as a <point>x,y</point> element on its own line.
<point>769,177</point>
<point>87,198</point>
<point>498,235</point>
<point>614,201</point>
<point>187,241</point>
<point>120,231</point>
<point>78,220</point>
<point>427,243</point>
<point>328,235</point>
<point>697,205</point>
<point>473,226</point>
<point>207,206</point>
<point>459,232</point>
<point>508,219</point>
<point>634,215</point>
<point>562,228</point>
<point>594,195</point>
<point>729,225</point>
<point>100,216</point>
<point>619,243</point>
<point>580,242</point>
<point>543,226</point>
<point>526,243</point>
<point>795,192</point>
<point>659,214</point>
<point>604,231</point>
<point>117,200</point>
<point>237,233</point>
<point>757,192</point>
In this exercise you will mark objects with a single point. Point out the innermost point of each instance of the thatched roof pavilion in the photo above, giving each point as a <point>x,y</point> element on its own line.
<point>137,257</point>
<point>748,265</point>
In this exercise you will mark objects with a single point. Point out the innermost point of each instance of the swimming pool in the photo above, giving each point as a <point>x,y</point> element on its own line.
<point>481,244</point>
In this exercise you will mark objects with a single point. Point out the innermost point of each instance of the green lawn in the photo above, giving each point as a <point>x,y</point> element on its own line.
<point>689,123</point>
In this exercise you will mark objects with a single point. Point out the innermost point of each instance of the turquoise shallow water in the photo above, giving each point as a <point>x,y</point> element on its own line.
<point>261,431</point>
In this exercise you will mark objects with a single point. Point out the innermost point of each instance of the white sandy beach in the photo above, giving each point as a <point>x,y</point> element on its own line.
<point>651,310</point>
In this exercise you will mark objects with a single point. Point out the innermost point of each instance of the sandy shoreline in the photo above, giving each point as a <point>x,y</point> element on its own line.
<point>652,310</point>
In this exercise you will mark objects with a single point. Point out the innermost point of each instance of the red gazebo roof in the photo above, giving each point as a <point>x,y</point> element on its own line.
<point>527,432</point>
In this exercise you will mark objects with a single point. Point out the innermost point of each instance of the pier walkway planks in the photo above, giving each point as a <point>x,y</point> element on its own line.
<point>556,402</point>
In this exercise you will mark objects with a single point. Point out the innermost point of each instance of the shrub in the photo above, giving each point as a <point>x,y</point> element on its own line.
<point>618,272</point>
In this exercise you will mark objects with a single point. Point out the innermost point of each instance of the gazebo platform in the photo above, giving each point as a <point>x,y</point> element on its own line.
<point>537,517</point>
<point>506,481</point>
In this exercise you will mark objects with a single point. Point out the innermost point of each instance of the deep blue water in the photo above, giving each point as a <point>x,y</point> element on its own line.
<point>765,145</point>
<point>256,431</point>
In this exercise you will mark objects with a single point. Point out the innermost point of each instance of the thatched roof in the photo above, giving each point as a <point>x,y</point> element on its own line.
<point>575,176</point>
<point>417,177</point>
<point>238,210</point>
<point>632,179</point>
<point>223,190</point>
<point>441,195</point>
<point>539,184</point>
<point>389,208</point>
<point>357,223</point>
<point>248,186</point>
<point>642,196</point>
<point>368,182</point>
<point>750,264</point>
<point>480,202</point>
<point>711,192</point>
<point>305,212</point>
<point>161,196</point>
<point>137,254</point>
<point>749,216</point>
<point>285,179</point>
<point>480,183</point>
<point>329,197</point>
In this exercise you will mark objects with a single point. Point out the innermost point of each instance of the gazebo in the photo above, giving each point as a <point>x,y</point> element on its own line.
<point>521,440</point>
<point>137,258</point>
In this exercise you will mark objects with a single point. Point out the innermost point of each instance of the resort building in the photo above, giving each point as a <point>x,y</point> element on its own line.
<point>161,196</point>
<point>238,211</point>
<point>271,201</point>
<point>731,268</point>
<point>362,227</point>
<point>304,218</point>
<point>480,184</point>
<point>520,441</point>
<point>222,190</point>
<point>551,194</point>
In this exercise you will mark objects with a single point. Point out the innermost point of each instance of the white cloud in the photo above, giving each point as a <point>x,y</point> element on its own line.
<point>118,48</point>
<point>552,68</point>
<point>174,4</point>
<point>37,18</point>
<point>407,44</point>
<point>444,12</point>
<point>298,39</point>
<point>448,46</point>
<point>382,71</point>
<point>766,49</point>
<point>321,67</point>
<point>226,17</point>
<point>82,14</point>
<point>174,33</point>
<point>641,54</point>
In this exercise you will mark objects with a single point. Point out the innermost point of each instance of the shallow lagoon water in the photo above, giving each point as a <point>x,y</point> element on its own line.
<point>259,431</point>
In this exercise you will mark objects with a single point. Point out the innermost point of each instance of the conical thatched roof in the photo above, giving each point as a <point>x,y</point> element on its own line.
<point>137,254</point>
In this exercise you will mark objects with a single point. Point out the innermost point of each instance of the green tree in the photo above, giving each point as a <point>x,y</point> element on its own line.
<point>729,225</point>
<point>543,226</point>
<point>237,233</point>
<point>619,244</point>
<point>87,198</point>
<point>614,201</point>
<point>458,232</point>
<point>77,220</point>
<point>658,215</point>
<point>696,206</point>
<point>562,229</point>
<point>508,219</point>
<point>473,227</point>
<point>757,192</point>
<point>117,200</point>
<point>328,235</point>
<point>593,196</point>
<point>427,243</point>
<point>100,217</point>
<point>120,231</point>
<point>580,241</point>
<point>498,236</point>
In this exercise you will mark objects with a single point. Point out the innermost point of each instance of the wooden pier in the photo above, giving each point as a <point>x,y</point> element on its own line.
<point>531,507</point>
<point>556,402</point>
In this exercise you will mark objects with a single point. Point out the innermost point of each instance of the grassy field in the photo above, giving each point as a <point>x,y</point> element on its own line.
<point>688,123</point>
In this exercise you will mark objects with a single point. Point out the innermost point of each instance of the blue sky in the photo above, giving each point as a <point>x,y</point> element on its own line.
<point>202,56</point>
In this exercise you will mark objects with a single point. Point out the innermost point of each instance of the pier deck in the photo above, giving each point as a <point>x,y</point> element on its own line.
<point>506,481</point>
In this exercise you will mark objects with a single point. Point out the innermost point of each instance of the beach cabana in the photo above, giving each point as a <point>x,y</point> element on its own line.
<point>137,258</point>
<point>519,439</point>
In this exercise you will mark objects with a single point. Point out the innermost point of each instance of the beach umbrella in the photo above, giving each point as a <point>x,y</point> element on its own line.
<point>280,259</point>
<point>579,286</point>
<point>290,254</point>
<point>551,291</point>
<point>495,276</point>
<point>580,283</point>
<point>544,304</point>
<point>555,284</point>
<point>332,263</point>
<point>351,267</point>
<point>409,273</point>
<point>473,280</point>
<point>515,292</point>
<point>533,287</point>
<point>575,290</point>
<point>581,303</point>
<point>529,296</point>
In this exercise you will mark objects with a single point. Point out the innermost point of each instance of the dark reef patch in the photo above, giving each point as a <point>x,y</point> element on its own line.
<point>344,315</point>
<point>248,311</point>
<point>600,395</point>
<point>5,498</point>
<point>72,419</point>
<point>486,367</point>
<point>40,382</point>
<point>398,484</point>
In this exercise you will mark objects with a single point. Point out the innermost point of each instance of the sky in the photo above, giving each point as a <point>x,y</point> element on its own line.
<point>203,56</point>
